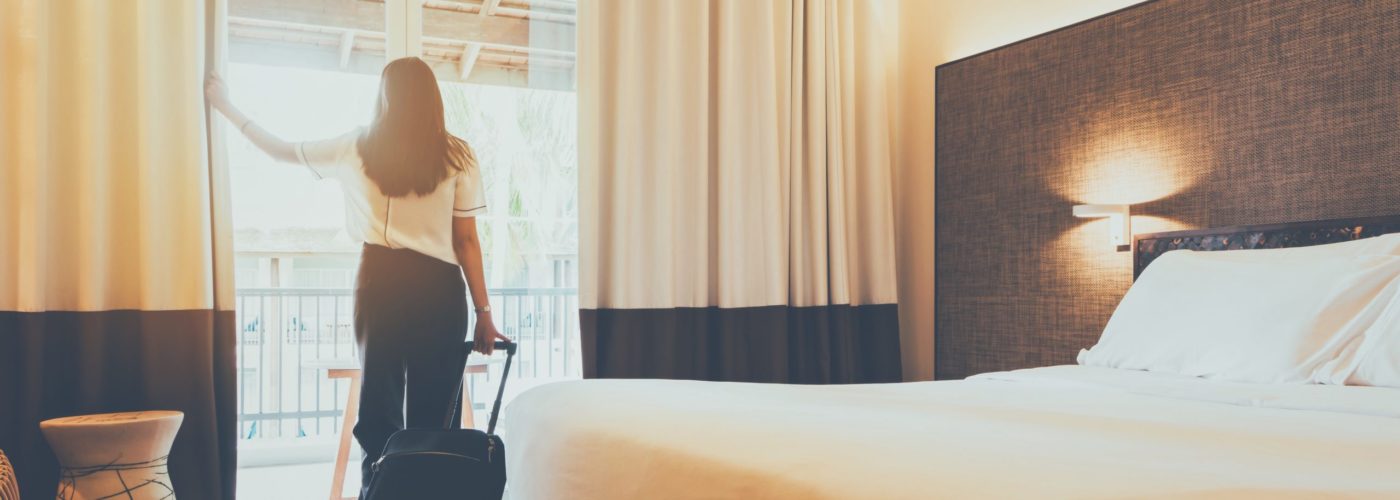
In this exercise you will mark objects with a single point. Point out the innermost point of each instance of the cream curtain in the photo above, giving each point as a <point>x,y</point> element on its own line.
<point>115,261</point>
<point>736,201</point>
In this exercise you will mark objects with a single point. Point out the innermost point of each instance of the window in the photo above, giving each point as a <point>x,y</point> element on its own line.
<point>309,69</point>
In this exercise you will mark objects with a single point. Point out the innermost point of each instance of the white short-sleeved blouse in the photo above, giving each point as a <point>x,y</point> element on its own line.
<point>422,223</point>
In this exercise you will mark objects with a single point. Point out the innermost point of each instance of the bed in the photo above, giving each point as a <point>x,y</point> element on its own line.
<point>1053,432</point>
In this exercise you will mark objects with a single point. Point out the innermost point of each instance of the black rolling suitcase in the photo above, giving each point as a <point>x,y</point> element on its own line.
<point>445,463</point>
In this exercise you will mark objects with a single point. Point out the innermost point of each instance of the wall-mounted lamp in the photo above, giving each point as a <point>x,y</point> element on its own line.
<point>1119,227</point>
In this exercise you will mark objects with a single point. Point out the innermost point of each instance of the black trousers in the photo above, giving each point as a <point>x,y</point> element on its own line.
<point>410,325</point>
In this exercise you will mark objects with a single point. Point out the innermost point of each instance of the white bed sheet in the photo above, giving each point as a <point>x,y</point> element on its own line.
<point>1057,432</point>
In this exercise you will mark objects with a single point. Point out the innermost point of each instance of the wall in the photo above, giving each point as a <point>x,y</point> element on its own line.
<point>933,32</point>
<point>1198,113</point>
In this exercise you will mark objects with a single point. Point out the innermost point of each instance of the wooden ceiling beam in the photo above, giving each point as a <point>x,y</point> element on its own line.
<point>362,35</point>
<point>500,46</point>
<point>556,5</point>
<point>536,10</point>
<point>353,14</point>
<point>536,15</point>
<point>441,48</point>
<point>469,56</point>
<point>368,16</point>
<point>347,46</point>
<point>488,7</point>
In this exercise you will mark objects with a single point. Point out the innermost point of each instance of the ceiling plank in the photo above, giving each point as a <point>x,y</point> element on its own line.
<point>365,16</point>
<point>292,29</point>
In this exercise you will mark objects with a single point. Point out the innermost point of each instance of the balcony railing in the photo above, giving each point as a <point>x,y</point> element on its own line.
<point>288,335</point>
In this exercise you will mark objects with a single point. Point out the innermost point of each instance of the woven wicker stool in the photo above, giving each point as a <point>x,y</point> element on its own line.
<point>9,486</point>
<point>114,455</point>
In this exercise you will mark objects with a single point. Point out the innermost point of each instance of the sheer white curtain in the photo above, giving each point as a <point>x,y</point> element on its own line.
<point>735,157</point>
<point>115,292</point>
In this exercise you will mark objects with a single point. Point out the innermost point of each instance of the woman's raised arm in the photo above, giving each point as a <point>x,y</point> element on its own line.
<point>216,91</point>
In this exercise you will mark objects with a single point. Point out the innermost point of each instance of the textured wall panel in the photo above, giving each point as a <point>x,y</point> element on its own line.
<point>1200,113</point>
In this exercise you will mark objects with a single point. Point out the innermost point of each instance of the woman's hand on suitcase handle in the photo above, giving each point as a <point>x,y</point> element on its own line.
<point>486,335</point>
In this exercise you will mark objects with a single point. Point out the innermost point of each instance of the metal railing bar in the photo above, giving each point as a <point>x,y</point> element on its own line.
<point>534,334</point>
<point>335,351</point>
<point>262,362</point>
<point>568,343</point>
<point>318,356</point>
<point>297,332</point>
<point>241,315</point>
<point>291,415</point>
<point>552,323</point>
<point>539,318</point>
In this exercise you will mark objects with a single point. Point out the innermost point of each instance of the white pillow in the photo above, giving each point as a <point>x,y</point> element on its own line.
<point>1380,363</point>
<point>1374,358</point>
<point>1269,320</point>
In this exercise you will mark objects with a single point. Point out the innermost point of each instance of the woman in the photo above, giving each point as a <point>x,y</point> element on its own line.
<point>412,194</point>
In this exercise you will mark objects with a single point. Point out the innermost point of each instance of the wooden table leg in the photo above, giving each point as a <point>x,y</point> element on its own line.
<point>468,420</point>
<point>352,411</point>
<point>468,414</point>
<point>342,456</point>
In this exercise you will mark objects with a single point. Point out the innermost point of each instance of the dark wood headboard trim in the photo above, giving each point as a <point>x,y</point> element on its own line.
<point>1149,246</point>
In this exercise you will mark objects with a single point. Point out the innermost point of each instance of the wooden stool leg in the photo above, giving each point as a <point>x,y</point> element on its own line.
<point>468,419</point>
<point>347,431</point>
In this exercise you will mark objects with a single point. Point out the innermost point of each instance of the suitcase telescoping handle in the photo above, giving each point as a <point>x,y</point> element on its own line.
<point>509,348</point>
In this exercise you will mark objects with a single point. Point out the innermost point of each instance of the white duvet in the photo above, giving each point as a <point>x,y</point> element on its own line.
<point>1058,432</point>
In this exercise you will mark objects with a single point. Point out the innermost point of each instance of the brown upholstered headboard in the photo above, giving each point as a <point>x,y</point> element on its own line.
<point>1197,113</point>
<point>1147,247</point>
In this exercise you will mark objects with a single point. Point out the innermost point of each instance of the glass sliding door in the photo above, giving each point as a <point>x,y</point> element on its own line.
<point>303,69</point>
<point>506,70</point>
<point>309,69</point>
